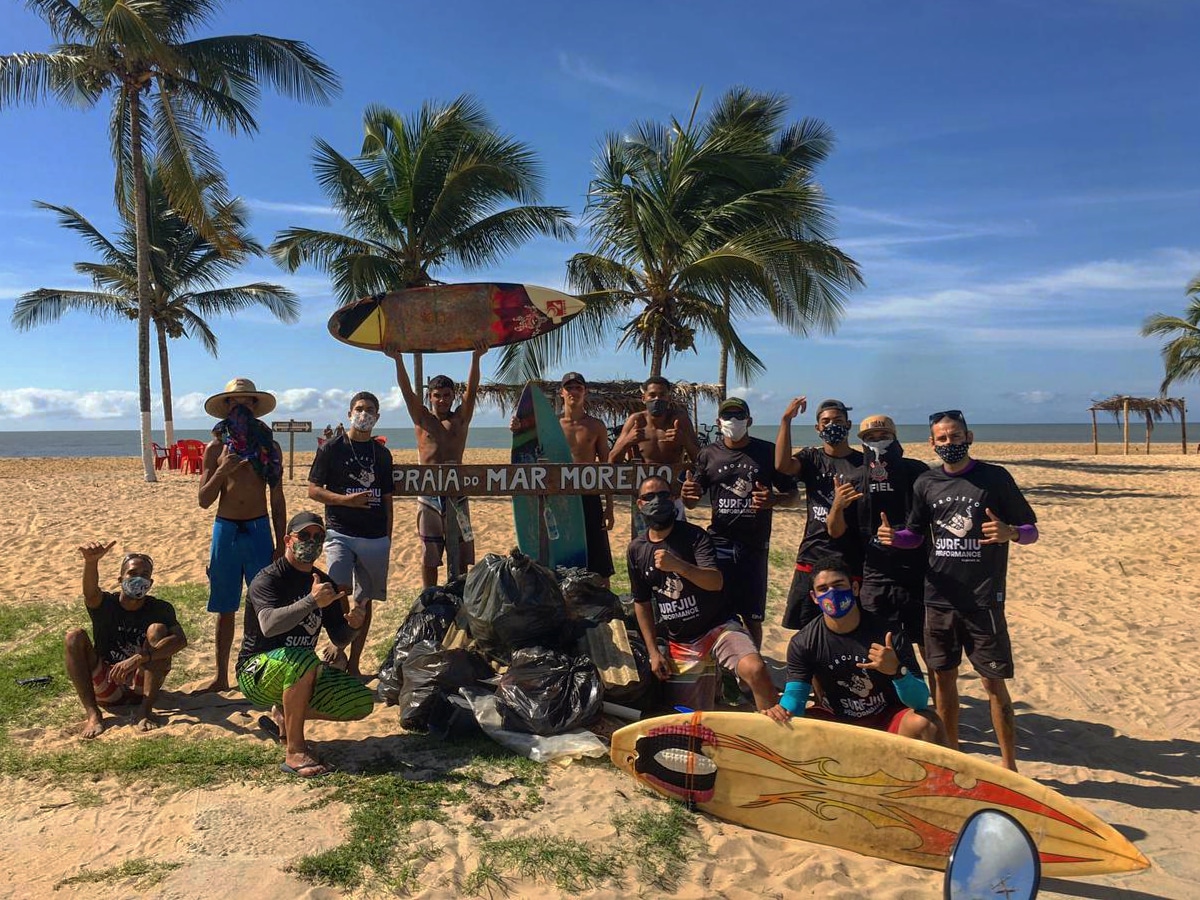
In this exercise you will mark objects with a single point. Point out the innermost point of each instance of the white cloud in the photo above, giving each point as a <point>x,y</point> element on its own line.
<point>312,209</point>
<point>31,403</point>
<point>641,87</point>
<point>1036,398</point>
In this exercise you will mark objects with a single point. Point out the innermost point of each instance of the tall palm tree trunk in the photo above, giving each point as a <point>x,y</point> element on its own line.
<point>657,354</point>
<point>141,225</point>
<point>723,359</point>
<point>164,369</point>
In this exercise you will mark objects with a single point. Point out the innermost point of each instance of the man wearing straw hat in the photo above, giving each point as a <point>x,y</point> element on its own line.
<point>242,467</point>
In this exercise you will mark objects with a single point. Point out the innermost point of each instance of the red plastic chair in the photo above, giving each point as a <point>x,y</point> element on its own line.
<point>191,457</point>
<point>161,455</point>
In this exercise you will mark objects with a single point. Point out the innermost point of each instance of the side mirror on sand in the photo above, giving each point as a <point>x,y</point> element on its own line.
<point>993,856</point>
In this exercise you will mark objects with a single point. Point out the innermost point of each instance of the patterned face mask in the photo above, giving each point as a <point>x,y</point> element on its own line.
<point>307,551</point>
<point>836,602</point>
<point>952,453</point>
<point>834,434</point>
<point>135,587</point>
<point>363,421</point>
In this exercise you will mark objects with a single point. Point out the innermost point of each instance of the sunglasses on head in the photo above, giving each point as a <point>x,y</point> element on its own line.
<point>142,556</point>
<point>955,414</point>
<point>666,495</point>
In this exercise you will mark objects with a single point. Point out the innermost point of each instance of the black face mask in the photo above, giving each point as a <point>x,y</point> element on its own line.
<point>657,407</point>
<point>658,512</point>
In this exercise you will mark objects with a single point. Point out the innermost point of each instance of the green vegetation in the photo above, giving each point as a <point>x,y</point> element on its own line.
<point>659,842</point>
<point>147,873</point>
<point>569,864</point>
<point>1180,354</point>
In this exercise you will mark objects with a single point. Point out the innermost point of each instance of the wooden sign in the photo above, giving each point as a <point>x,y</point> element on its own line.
<point>530,478</point>
<point>291,426</point>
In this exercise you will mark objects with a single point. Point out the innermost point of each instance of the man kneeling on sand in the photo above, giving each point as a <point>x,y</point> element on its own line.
<point>289,602</point>
<point>135,636</point>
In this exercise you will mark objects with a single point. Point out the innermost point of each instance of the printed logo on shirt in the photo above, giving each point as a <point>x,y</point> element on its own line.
<point>858,684</point>
<point>959,525</point>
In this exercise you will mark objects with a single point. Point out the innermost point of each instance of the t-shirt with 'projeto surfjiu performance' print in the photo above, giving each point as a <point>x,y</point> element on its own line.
<point>687,612</point>
<point>817,469</point>
<point>729,475</point>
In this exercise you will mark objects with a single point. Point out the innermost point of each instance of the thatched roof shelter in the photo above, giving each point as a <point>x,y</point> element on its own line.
<point>612,401</point>
<point>1152,409</point>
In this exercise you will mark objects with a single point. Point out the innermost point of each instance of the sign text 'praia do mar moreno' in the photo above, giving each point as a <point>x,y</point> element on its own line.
<point>530,478</point>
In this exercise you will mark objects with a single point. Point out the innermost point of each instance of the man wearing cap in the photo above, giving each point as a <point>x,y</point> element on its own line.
<point>821,470</point>
<point>290,601</point>
<point>970,511</point>
<point>242,468</point>
<point>352,476</point>
<point>893,581</point>
<point>588,439</point>
<point>441,439</point>
<point>739,474</point>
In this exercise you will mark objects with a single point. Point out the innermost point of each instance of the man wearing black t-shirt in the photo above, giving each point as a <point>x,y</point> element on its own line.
<point>290,601</point>
<point>739,473</point>
<point>352,476</point>
<point>970,511</point>
<point>866,670</point>
<point>821,470</point>
<point>673,569</point>
<point>136,635</point>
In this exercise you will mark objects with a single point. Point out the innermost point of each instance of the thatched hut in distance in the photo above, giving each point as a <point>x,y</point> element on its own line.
<point>1151,408</point>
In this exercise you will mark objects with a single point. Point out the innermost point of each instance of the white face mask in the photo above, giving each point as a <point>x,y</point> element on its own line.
<point>879,447</point>
<point>363,421</point>
<point>734,429</point>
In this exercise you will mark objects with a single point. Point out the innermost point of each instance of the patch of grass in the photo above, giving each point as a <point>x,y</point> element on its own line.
<point>782,559</point>
<point>87,799</point>
<point>569,864</point>
<point>146,872</point>
<point>16,618</point>
<point>661,842</point>
<point>40,655</point>
<point>190,602</point>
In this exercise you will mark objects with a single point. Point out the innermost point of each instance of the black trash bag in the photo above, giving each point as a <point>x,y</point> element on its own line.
<point>512,602</point>
<point>452,719</point>
<point>430,674</point>
<point>588,601</point>
<point>547,692</point>
<point>429,619</point>
<point>646,692</point>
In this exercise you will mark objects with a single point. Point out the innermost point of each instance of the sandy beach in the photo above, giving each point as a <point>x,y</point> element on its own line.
<point>1106,691</point>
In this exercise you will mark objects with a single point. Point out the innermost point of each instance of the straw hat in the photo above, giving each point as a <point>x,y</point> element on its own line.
<point>239,387</point>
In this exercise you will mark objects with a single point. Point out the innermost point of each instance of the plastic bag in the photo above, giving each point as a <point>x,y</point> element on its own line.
<point>430,673</point>
<point>511,602</point>
<point>646,692</point>
<point>545,692</point>
<point>429,619</point>
<point>588,601</point>
<point>557,747</point>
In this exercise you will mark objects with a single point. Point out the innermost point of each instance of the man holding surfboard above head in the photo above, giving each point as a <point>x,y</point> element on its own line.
<point>661,434</point>
<point>588,439</point>
<point>242,468</point>
<point>441,439</point>
<point>866,669</point>
<point>674,567</point>
<point>972,511</point>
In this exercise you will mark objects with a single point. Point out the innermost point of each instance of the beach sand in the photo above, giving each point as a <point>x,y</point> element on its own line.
<point>1101,612</point>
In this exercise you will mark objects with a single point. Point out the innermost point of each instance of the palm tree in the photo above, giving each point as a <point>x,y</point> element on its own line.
<point>165,88</point>
<point>1181,354</point>
<point>425,191</point>
<point>186,273</point>
<point>694,225</point>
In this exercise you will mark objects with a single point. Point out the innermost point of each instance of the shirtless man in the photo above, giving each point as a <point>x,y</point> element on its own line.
<point>242,467</point>
<point>441,439</point>
<point>662,433</point>
<point>588,439</point>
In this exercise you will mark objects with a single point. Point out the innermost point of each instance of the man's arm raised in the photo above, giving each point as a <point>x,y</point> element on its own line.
<point>92,554</point>
<point>784,461</point>
<point>467,408</point>
<point>416,409</point>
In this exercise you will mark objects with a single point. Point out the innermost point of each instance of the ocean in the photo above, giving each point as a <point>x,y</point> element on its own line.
<point>125,443</point>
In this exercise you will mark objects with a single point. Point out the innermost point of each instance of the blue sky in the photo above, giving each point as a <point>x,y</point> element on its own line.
<point>1018,181</point>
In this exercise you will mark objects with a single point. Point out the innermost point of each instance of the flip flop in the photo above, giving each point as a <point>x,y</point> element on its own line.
<point>271,727</point>
<point>299,771</point>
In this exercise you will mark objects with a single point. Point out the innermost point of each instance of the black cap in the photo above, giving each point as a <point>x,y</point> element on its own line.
<point>734,403</point>
<point>571,377</point>
<point>833,404</point>
<point>302,520</point>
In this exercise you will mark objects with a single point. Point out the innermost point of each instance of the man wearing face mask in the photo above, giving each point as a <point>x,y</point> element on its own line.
<point>866,670</point>
<point>661,434</point>
<point>242,468</point>
<point>738,472</point>
<point>820,470</point>
<point>290,602</point>
<point>352,476</point>
<point>673,568</point>
<point>970,511</point>
<point>136,635</point>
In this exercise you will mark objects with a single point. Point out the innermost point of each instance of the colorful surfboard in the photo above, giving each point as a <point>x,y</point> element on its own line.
<point>449,317</point>
<point>875,793</point>
<point>543,439</point>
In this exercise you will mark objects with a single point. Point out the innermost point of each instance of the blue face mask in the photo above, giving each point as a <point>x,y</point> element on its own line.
<point>836,602</point>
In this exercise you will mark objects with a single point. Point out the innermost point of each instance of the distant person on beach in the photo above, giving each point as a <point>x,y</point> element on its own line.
<point>441,439</point>
<point>290,602</point>
<point>661,434</point>
<point>970,511</point>
<point>134,637</point>
<point>739,474</point>
<point>352,476</point>
<point>866,668</point>
<point>673,570</point>
<point>242,469</point>
<point>340,430</point>
<point>821,470</point>
<point>893,581</point>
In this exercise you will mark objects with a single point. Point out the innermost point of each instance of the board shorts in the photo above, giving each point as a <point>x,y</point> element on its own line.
<point>640,526</point>
<point>431,526</point>
<point>599,553</point>
<point>982,633</point>
<point>885,720</point>
<point>361,562</point>
<point>744,570</point>
<point>800,609</point>
<point>112,693</point>
<point>901,606</point>
<point>694,675</point>
<point>264,678</point>
<point>240,550</point>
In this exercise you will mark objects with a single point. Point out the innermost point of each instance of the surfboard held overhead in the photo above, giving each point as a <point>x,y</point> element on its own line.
<point>445,318</point>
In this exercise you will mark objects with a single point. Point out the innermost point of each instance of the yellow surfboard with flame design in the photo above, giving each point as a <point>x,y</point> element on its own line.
<point>875,793</point>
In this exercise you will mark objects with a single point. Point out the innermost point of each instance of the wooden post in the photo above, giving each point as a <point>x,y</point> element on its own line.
<point>1127,426</point>
<point>1149,426</point>
<point>419,375</point>
<point>1183,424</point>
<point>1095,435</point>
<point>291,456</point>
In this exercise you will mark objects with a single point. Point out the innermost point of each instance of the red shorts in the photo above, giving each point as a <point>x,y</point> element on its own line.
<point>110,692</point>
<point>888,720</point>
